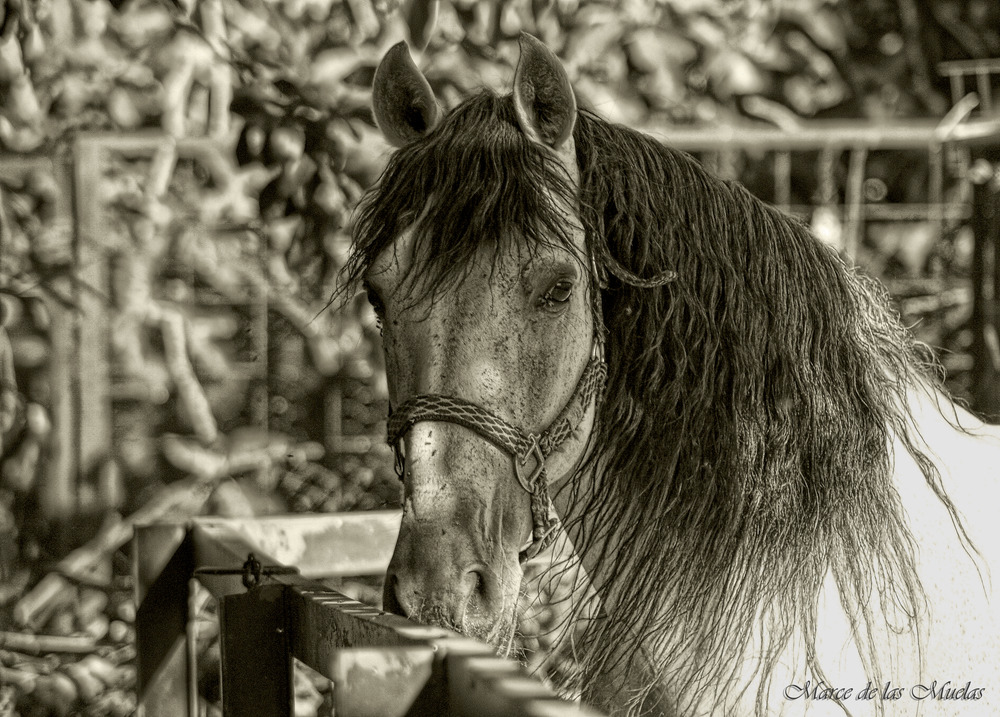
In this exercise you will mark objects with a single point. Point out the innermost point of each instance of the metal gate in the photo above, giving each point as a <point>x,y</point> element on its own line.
<point>381,665</point>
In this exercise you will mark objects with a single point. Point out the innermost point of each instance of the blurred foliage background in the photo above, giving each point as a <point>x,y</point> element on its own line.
<point>176,189</point>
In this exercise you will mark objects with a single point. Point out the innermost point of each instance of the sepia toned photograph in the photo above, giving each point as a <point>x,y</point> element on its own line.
<point>499,358</point>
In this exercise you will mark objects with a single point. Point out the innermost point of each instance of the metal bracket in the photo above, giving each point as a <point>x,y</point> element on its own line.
<point>252,571</point>
<point>534,451</point>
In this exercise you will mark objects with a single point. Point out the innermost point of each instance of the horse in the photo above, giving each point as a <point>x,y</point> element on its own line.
<point>589,337</point>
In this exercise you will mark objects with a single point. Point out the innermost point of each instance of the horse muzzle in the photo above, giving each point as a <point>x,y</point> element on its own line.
<point>440,579</point>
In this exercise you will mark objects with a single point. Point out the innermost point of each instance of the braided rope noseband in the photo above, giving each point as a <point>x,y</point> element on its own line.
<point>522,447</point>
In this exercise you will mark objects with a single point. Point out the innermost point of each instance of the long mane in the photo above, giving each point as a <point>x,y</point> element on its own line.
<point>742,450</point>
<point>745,435</point>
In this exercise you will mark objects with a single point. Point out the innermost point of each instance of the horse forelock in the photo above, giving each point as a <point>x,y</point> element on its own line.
<point>741,452</point>
<point>475,181</point>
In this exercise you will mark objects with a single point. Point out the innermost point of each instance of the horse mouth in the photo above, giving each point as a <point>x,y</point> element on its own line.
<point>498,632</point>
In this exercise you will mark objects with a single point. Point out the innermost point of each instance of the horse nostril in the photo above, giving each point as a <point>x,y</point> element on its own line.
<point>390,597</point>
<point>440,596</point>
<point>477,588</point>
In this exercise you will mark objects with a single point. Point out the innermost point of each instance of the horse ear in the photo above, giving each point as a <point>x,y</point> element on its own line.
<point>402,100</point>
<point>543,96</point>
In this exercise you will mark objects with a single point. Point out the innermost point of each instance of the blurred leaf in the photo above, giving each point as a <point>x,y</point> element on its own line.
<point>421,19</point>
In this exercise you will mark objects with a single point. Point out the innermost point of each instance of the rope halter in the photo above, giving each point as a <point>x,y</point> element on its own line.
<point>529,451</point>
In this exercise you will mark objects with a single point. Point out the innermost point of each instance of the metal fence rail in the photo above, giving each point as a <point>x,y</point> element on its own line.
<point>982,70</point>
<point>380,664</point>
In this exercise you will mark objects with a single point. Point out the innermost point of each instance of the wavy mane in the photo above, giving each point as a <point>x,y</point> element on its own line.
<point>742,451</point>
<point>744,438</point>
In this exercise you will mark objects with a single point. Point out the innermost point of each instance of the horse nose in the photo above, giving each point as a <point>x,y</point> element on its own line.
<point>436,600</point>
<point>447,594</point>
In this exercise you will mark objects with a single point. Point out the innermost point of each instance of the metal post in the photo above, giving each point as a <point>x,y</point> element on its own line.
<point>256,656</point>
<point>957,82</point>
<point>162,567</point>
<point>984,89</point>
<point>387,681</point>
<point>985,318</point>
<point>93,328</point>
<point>855,200</point>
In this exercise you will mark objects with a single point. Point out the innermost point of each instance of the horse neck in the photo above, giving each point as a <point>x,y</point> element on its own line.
<point>966,453</point>
<point>944,430</point>
<point>947,435</point>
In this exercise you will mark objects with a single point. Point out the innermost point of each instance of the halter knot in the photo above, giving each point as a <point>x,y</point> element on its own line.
<point>533,452</point>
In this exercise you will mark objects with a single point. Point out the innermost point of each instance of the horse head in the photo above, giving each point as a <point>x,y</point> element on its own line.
<point>485,291</point>
<point>736,472</point>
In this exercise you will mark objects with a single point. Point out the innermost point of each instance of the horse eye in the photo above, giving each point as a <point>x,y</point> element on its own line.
<point>377,306</point>
<point>374,299</point>
<point>559,293</point>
